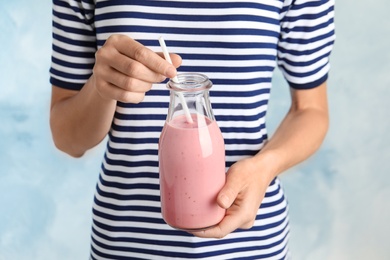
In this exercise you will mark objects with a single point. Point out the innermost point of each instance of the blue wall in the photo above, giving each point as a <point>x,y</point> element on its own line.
<point>338,198</point>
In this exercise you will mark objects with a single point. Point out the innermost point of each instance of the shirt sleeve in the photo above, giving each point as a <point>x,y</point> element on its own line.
<point>306,41</point>
<point>74,43</point>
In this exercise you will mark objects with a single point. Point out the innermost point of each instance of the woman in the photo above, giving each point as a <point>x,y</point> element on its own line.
<point>107,78</point>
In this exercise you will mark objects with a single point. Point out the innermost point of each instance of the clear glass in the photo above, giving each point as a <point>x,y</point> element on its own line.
<point>191,157</point>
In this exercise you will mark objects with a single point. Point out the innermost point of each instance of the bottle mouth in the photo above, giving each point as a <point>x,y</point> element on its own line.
<point>190,82</point>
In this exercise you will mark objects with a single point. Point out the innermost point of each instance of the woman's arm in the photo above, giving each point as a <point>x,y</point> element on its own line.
<point>302,131</point>
<point>298,136</point>
<point>79,120</point>
<point>124,71</point>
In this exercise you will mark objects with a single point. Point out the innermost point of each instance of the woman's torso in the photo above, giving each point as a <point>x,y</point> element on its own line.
<point>235,44</point>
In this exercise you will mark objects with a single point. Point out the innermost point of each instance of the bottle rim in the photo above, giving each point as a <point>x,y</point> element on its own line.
<point>190,82</point>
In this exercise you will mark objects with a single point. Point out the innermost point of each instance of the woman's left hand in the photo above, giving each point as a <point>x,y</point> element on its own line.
<point>241,196</point>
<point>304,127</point>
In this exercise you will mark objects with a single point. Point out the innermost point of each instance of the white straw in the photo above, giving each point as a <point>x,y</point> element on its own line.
<point>176,80</point>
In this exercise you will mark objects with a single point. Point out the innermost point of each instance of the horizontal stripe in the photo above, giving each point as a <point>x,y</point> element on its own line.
<point>70,75</point>
<point>72,30</point>
<point>192,5</point>
<point>74,42</point>
<point>177,30</point>
<point>126,119</point>
<point>55,81</point>
<point>183,17</point>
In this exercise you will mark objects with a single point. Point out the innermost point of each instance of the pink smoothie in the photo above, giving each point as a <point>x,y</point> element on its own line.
<point>192,172</point>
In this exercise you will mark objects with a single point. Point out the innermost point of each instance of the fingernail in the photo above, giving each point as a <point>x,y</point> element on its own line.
<point>224,200</point>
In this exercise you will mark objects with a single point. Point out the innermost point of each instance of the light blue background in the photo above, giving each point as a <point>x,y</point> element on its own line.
<point>338,198</point>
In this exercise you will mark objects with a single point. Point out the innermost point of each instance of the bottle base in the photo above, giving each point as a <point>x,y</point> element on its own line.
<point>192,229</point>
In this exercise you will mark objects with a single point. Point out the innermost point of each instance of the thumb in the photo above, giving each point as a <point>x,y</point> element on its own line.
<point>230,191</point>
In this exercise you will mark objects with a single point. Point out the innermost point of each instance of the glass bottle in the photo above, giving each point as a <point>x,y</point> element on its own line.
<point>191,156</point>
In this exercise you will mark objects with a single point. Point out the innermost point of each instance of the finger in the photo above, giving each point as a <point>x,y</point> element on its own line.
<point>231,189</point>
<point>142,54</point>
<point>111,91</point>
<point>125,82</point>
<point>176,59</point>
<point>230,223</point>
<point>135,69</point>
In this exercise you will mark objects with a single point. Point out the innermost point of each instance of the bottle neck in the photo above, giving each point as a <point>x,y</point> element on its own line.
<point>190,97</point>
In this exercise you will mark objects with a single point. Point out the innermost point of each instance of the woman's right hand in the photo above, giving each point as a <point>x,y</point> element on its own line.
<point>125,69</point>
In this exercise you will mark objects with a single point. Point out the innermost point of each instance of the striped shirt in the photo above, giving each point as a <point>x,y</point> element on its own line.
<point>237,44</point>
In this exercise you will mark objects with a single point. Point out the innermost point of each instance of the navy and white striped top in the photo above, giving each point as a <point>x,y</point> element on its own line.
<point>237,44</point>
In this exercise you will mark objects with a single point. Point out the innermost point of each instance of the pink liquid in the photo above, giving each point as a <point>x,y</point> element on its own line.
<point>192,172</point>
